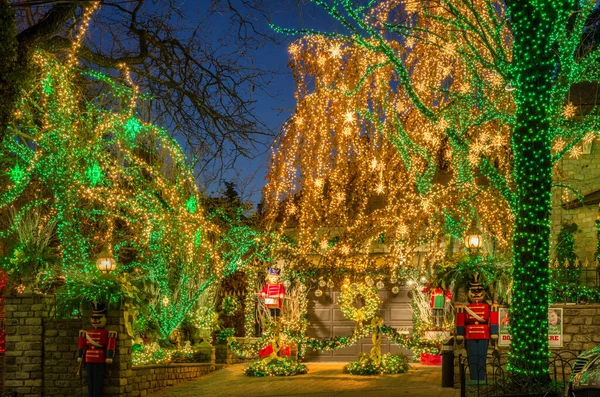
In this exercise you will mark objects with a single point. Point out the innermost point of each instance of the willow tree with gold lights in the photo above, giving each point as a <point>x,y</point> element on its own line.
<point>342,184</point>
<point>104,181</point>
<point>474,90</point>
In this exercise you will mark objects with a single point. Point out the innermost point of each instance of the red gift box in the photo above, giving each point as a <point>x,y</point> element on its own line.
<point>431,359</point>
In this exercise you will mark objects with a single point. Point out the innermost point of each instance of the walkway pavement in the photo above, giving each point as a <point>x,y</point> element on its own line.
<point>323,379</point>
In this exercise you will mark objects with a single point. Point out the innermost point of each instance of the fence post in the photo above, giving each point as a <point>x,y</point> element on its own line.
<point>461,371</point>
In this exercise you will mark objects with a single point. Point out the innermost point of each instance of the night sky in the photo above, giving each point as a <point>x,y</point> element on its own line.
<point>276,102</point>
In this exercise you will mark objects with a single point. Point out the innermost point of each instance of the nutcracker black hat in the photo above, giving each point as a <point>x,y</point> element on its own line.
<point>98,309</point>
<point>475,283</point>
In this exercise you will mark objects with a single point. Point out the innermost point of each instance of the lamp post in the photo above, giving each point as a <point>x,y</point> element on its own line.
<point>106,262</point>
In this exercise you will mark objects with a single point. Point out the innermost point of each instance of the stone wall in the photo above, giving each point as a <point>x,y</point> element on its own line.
<point>581,326</point>
<point>24,345</point>
<point>1,371</point>
<point>582,174</point>
<point>150,378</point>
<point>41,351</point>
<point>60,358</point>
<point>41,355</point>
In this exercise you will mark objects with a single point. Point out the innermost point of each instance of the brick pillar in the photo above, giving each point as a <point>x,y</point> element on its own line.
<point>24,345</point>
<point>118,373</point>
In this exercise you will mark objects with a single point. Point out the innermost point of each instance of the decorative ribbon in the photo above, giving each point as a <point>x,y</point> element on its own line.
<point>376,338</point>
<point>92,342</point>
<point>359,317</point>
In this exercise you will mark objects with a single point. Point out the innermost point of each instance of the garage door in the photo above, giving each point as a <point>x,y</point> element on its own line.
<point>327,321</point>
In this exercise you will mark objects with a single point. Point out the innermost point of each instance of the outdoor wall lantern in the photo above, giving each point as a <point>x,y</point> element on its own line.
<point>473,239</point>
<point>105,262</point>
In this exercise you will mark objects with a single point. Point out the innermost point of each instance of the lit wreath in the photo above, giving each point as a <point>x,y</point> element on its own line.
<point>349,294</point>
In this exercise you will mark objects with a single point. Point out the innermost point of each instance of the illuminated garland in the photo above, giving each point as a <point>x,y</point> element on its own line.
<point>248,350</point>
<point>410,342</point>
<point>333,343</point>
<point>348,295</point>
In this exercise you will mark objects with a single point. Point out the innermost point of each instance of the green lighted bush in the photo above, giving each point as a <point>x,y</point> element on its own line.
<point>390,364</point>
<point>278,366</point>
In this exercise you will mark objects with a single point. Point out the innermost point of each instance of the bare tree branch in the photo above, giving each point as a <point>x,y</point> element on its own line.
<point>194,64</point>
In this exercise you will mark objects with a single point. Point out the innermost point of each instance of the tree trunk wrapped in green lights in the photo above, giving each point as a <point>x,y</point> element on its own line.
<point>535,26</point>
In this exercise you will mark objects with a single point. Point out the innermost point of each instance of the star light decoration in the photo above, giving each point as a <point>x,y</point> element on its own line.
<point>16,174</point>
<point>463,96</point>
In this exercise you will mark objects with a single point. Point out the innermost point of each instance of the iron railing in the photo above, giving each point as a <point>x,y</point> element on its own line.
<point>585,276</point>
<point>575,284</point>
<point>496,381</point>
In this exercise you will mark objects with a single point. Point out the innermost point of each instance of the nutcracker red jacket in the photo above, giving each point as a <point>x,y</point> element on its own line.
<point>471,327</point>
<point>98,345</point>
<point>273,291</point>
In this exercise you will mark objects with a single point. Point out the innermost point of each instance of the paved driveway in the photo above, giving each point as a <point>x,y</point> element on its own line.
<point>323,379</point>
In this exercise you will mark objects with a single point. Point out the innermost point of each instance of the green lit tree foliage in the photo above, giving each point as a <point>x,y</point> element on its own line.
<point>475,88</point>
<point>565,251</point>
<point>243,246</point>
<point>104,180</point>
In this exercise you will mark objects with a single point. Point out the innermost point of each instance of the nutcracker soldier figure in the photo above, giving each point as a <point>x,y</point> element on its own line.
<point>477,323</point>
<point>273,292</point>
<point>96,348</point>
<point>439,297</point>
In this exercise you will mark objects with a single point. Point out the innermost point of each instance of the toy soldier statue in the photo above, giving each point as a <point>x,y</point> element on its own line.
<point>476,322</point>
<point>96,347</point>
<point>439,297</point>
<point>273,292</point>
